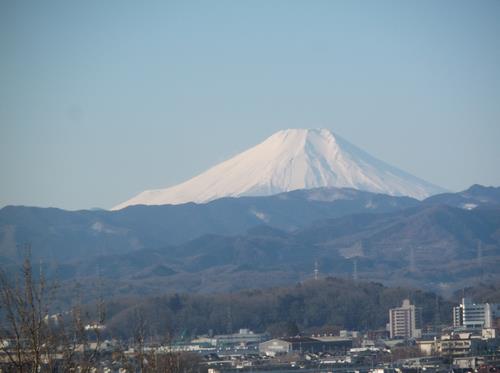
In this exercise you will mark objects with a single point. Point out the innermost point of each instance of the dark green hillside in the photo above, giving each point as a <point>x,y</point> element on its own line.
<point>314,305</point>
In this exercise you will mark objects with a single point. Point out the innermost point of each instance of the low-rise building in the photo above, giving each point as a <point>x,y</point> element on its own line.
<point>458,344</point>
<point>489,333</point>
<point>243,337</point>
<point>305,344</point>
<point>428,347</point>
<point>349,334</point>
<point>461,344</point>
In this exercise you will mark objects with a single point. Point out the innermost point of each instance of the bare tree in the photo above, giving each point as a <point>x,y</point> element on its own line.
<point>31,340</point>
<point>25,325</point>
<point>159,356</point>
<point>140,339</point>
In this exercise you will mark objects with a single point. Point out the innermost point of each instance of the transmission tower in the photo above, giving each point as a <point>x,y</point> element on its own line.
<point>412,260</point>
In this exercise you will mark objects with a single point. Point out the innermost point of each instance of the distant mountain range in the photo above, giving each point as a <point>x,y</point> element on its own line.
<point>443,242</point>
<point>289,160</point>
<point>64,235</point>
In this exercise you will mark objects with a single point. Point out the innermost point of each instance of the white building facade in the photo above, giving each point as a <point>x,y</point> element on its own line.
<point>470,315</point>
<point>405,321</point>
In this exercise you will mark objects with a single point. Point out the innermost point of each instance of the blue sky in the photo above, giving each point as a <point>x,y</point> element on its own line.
<point>100,100</point>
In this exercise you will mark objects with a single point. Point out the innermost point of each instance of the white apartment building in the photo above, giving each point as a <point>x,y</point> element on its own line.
<point>475,316</point>
<point>405,321</point>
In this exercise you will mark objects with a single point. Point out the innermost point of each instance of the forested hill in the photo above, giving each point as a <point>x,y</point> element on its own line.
<point>314,306</point>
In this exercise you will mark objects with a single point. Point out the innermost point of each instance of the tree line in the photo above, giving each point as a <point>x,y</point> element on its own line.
<point>313,306</point>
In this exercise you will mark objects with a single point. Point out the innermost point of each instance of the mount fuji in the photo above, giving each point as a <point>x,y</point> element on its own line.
<point>289,160</point>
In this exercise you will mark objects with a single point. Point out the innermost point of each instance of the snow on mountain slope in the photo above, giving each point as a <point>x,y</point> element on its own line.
<point>288,160</point>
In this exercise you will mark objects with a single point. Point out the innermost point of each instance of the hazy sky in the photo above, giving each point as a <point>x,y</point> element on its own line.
<point>100,100</point>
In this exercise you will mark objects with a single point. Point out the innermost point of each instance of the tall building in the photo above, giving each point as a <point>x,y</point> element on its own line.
<point>405,321</point>
<point>470,315</point>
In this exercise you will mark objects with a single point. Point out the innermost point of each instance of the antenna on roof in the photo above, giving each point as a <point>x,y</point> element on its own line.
<point>316,270</point>
<point>355,269</point>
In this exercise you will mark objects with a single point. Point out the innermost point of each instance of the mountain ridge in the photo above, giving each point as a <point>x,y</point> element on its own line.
<point>428,246</point>
<point>61,234</point>
<point>264,241</point>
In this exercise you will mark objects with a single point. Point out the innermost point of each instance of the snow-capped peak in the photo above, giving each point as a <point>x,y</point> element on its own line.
<point>288,160</point>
